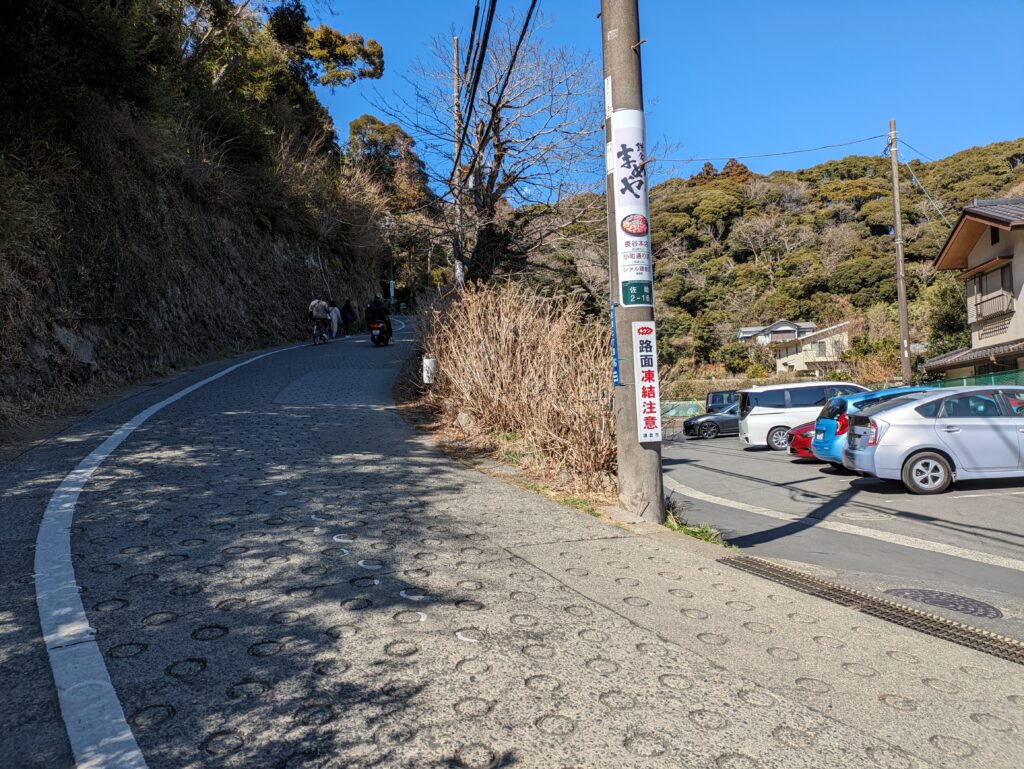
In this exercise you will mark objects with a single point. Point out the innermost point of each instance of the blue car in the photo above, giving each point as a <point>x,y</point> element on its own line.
<point>833,422</point>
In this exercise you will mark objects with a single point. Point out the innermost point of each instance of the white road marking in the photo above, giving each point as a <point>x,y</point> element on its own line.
<point>846,528</point>
<point>93,717</point>
<point>989,494</point>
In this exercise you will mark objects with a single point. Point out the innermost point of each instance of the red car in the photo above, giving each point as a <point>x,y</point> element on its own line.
<point>799,439</point>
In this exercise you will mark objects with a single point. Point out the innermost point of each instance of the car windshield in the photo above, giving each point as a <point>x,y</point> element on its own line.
<point>866,403</point>
<point>833,408</point>
<point>733,408</point>
<point>893,403</point>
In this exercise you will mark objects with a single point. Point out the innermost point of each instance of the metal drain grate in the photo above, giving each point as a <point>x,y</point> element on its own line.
<point>891,611</point>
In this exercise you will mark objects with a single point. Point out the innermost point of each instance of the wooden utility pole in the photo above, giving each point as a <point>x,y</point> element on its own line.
<point>636,405</point>
<point>901,278</point>
<point>457,167</point>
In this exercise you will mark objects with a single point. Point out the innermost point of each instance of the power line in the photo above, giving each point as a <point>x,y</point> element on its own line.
<point>915,180</point>
<point>910,147</point>
<point>774,154</point>
<point>471,94</point>
<point>501,92</point>
<point>472,39</point>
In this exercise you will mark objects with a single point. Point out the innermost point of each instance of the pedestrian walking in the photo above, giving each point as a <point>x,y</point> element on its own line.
<point>348,316</point>
<point>335,319</point>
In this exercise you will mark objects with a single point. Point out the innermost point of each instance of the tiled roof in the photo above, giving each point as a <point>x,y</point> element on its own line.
<point>967,355</point>
<point>1006,210</point>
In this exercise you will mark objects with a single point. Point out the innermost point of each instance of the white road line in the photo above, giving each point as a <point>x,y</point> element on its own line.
<point>989,494</point>
<point>97,730</point>
<point>846,528</point>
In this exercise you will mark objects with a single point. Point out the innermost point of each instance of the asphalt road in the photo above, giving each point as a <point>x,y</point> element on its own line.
<point>864,532</point>
<point>259,564</point>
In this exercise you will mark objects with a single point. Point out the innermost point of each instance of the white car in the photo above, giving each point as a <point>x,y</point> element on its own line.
<point>767,412</point>
<point>932,439</point>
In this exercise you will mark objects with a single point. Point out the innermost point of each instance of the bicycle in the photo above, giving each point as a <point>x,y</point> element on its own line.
<point>320,331</point>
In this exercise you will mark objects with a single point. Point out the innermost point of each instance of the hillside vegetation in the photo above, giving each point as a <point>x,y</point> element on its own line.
<point>737,248</point>
<point>171,189</point>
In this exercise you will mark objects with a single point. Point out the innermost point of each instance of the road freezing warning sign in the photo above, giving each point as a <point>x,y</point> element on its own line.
<point>627,160</point>
<point>645,373</point>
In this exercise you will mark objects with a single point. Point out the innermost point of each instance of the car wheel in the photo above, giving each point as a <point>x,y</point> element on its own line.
<point>708,430</point>
<point>777,439</point>
<point>927,473</point>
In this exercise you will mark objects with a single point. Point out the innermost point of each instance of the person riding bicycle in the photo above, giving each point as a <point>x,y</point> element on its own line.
<point>377,310</point>
<point>320,314</point>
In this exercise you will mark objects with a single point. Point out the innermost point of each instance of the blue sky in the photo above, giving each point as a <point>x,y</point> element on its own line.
<point>739,77</point>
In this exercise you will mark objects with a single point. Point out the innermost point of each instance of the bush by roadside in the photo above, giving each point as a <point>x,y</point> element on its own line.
<point>528,375</point>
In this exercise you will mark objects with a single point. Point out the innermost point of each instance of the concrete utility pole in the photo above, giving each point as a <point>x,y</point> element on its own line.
<point>901,278</point>
<point>629,260</point>
<point>457,170</point>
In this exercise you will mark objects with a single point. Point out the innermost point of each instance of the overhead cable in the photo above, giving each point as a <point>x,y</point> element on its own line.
<point>501,92</point>
<point>471,94</point>
<point>772,154</point>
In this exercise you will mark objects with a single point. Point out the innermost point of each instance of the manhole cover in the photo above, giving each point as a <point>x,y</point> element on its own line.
<point>952,601</point>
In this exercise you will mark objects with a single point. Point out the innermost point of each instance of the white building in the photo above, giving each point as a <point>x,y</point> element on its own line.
<point>815,353</point>
<point>987,248</point>
<point>779,331</point>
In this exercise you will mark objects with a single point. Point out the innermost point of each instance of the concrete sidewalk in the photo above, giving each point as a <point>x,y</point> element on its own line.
<point>282,574</point>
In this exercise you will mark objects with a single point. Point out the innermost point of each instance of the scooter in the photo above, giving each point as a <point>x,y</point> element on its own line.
<point>379,333</point>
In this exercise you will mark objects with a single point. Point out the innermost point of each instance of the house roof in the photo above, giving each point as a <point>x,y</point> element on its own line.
<point>1003,213</point>
<point>965,355</point>
<point>745,330</point>
<point>827,331</point>
<point>1008,211</point>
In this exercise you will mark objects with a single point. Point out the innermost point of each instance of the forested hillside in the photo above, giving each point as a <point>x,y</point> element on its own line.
<point>736,248</point>
<point>171,188</point>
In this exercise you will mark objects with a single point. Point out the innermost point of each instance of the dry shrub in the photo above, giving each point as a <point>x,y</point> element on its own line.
<point>533,372</point>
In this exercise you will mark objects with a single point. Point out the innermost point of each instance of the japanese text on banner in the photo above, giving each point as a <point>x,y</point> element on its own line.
<point>627,159</point>
<point>645,372</point>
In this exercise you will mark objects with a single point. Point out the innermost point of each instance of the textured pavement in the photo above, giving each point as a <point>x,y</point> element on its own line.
<point>282,574</point>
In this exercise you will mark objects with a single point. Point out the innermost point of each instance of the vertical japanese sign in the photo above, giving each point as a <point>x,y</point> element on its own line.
<point>645,373</point>
<point>632,226</point>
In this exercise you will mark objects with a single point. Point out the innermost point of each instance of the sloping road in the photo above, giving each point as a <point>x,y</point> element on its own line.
<point>281,574</point>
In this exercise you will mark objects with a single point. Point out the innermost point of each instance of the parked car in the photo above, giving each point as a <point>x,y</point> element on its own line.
<point>833,423</point>
<point>929,440</point>
<point>719,400</point>
<point>799,440</point>
<point>711,425</point>
<point>767,412</point>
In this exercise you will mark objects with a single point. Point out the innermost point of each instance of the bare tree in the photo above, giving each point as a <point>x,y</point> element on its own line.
<point>533,139</point>
<point>836,243</point>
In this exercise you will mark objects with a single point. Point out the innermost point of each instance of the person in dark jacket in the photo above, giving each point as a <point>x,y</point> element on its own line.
<point>377,310</point>
<point>348,316</point>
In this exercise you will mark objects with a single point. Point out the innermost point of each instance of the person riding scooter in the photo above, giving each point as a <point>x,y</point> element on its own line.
<point>377,310</point>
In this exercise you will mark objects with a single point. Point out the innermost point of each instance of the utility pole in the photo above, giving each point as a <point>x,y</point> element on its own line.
<point>636,405</point>
<point>457,170</point>
<point>901,278</point>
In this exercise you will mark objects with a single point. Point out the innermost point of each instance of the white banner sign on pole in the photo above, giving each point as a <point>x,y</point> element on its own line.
<point>628,157</point>
<point>645,381</point>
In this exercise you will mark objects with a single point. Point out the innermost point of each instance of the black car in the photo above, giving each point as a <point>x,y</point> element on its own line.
<point>719,400</point>
<point>724,422</point>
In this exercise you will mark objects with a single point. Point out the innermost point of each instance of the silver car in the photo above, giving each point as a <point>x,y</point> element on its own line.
<point>931,439</point>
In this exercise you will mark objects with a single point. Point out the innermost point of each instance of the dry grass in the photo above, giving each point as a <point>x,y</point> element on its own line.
<point>532,373</point>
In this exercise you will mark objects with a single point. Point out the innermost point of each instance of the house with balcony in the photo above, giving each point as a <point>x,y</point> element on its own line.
<point>986,249</point>
<point>779,331</point>
<point>813,354</point>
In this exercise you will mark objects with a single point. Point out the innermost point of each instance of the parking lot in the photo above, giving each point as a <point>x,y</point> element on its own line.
<point>863,532</point>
